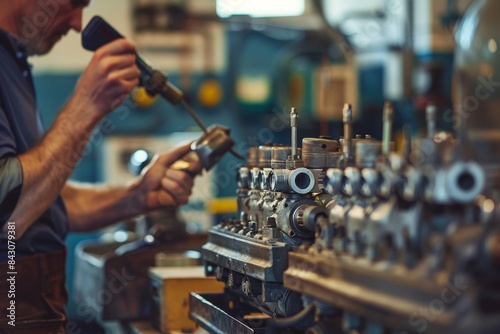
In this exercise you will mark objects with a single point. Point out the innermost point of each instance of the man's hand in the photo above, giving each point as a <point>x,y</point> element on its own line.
<point>105,83</point>
<point>161,186</point>
<point>108,79</point>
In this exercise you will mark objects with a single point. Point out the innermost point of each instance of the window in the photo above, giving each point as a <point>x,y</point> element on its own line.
<point>260,8</point>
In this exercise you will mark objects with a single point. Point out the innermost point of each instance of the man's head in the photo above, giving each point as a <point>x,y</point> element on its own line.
<point>40,24</point>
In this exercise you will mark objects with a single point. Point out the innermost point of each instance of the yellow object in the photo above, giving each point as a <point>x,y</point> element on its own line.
<point>399,139</point>
<point>222,205</point>
<point>253,89</point>
<point>171,288</point>
<point>142,98</point>
<point>210,93</point>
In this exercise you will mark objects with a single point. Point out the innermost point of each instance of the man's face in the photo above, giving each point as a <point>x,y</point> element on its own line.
<point>46,21</point>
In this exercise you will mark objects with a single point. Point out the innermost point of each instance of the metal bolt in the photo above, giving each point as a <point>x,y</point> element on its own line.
<point>271,222</point>
<point>246,287</point>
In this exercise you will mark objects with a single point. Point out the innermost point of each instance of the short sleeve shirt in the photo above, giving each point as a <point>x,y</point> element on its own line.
<point>21,129</point>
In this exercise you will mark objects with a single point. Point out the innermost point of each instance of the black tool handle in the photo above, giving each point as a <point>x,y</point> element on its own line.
<point>98,32</point>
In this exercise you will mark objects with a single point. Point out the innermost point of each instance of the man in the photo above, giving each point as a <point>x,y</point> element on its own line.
<point>37,204</point>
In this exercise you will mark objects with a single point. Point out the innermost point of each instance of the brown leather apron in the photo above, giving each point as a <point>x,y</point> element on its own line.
<point>40,294</point>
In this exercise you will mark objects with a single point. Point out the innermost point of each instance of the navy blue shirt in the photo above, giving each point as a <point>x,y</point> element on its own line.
<point>20,130</point>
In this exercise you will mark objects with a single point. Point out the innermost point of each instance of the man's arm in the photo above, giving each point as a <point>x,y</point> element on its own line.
<point>91,207</point>
<point>105,83</point>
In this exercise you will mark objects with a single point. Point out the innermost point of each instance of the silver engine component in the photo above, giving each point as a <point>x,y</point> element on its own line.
<point>406,247</point>
<point>370,240</point>
<point>279,199</point>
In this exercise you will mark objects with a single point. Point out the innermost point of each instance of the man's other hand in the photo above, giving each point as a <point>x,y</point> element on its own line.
<point>161,186</point>
<point>108,79</point>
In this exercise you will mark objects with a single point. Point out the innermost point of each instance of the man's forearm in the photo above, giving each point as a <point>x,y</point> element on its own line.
<point>47,166</point>
<point>91,207</point>
<point>158,187</point>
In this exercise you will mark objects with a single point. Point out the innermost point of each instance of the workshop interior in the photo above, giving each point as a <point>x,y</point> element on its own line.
<point>351,158</point>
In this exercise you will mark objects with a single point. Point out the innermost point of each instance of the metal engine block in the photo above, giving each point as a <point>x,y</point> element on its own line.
<point>349,236</point>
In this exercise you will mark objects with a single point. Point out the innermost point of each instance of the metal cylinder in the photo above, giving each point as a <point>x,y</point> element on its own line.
<point>299,181</point>
<point>319,152</point>
<point>351,182</point>
<point>279,180</point>
<point>465,181</point>
<point>212,145</point>
<point>265,179</point>
<point>253,157</point>
<point>243,178</point>
<point>265,155</point>
<point>334,180</point>
<point>255,176</point>
<point>367,152</point>
<point>306,216</point>
<point>370,182</point>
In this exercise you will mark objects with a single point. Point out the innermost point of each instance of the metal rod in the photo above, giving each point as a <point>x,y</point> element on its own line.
<point>387,127</point>
<point>294,122</point>
<point>204,128</point>
<point>194,116</point>
<point>430,117</point>
<point>236,154</point>
<point>347,118</point>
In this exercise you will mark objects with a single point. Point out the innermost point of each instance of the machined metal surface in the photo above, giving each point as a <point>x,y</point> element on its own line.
<point>212,313</point>
<point>249,256</point>
<point>372,240</point>
<point>320,152</point>
<point>212,145</point>
<point>396,298</point>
